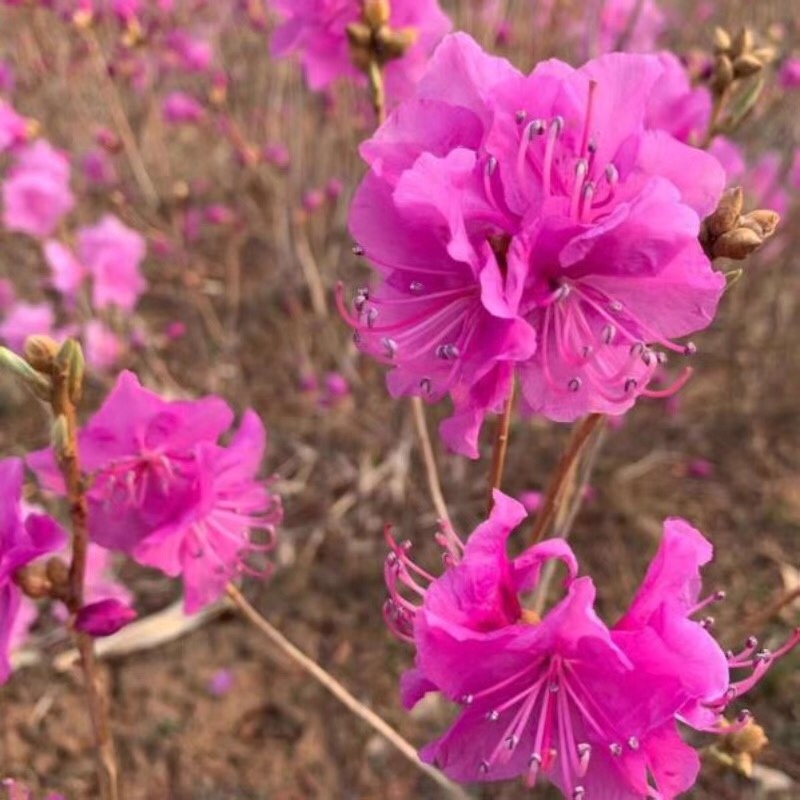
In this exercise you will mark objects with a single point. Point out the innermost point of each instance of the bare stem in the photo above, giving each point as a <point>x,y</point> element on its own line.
<point>431,472</point>
<point>69,463</point>
<point>568,510</point>
<point>117,111</point>
<point>557,489</point>
<point>500,448</point>
<point>340,693</point>
<point>377,90</point>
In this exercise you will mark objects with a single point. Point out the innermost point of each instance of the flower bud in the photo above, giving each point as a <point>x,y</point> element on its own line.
<point>742,43</point>
<point>745,66</point>
<point>359,35</point>
<point>722,40</point>
<point>40,385</point>
<point>377,13</point>
<point>395,43</point>
<point>33,581</point>
<point>40,352</point>
<point>723,74</point>
<point>727,214</point>
<point>104,617</point>
<point>767,221</point>
<point>737,245</point>
<point>70,358</point>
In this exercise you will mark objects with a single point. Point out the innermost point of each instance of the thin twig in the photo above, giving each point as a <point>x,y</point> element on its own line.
<point>377,90</point>
<point>431,472</point>
<point>568,510</point>
<point>120,118</point>
<point>69,463</point>
<point>500,448</point>
<point>562,475</point>
<point>756,621</point>
<point>341,694</point>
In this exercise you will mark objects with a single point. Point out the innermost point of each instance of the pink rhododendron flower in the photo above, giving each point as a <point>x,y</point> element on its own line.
<point>316,31</point>
<point>789,73</point>
<point>102,347</point>
<point>112,254</point>
<point>191,54</point>
<point>592,710</point>
<point>631,24</point>
<point>166,493</point>
<point>7,80</point>
<point>21,542</point>
<point>13,128</point>
<point>36,193</point>
<point>66,272</point>
<point>531,224</point>
<point>179,108</point>
<point>24,320</point>
<point>98,168</point>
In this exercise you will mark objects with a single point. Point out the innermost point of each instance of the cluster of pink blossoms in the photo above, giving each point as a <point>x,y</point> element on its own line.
<point>317,31</point>
<point>536,226</point>
<point>164,491</point>
<point>23,539</point>
<point>589,708</point>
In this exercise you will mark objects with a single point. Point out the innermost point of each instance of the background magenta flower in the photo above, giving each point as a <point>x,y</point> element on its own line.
<point>181,108</point>
<point>591,709</point>
<point>166,494</point>
<point>21,542</point>
<point>13,128</point>
<point>112,254</point>
<point>631,25</point>
<point>316,31</point>
<point>25,319</point>
<point>36,193</point>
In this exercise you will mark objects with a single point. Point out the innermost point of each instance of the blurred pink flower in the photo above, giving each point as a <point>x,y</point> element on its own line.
<point>632,24</point>
<point>165,493</point>
<point>98,168</point>
<point>8,295</point>
<point>593,710</point>
<point>700,468</point>
<point>221,682</point>
<point>530,223</point>
<point>789,73</point>
<point>181,108</point>
<point>277,155</point>
<point>7,81</point>
<point>36,193</point>
<point>313,200</point>
<point>103,348</point>
<point>316,31</point>
<point>13,128</point>
<point>23,320</point>
<point>112,253</point>
<point>21,542</point>
<point>191,53</point>
<point>66,272</point>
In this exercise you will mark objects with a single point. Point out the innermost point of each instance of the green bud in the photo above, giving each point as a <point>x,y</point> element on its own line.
<point>39,384</point>
<point>70,359</point>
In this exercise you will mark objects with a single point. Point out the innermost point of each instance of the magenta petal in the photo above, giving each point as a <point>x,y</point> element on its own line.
<point>673,577</point>
<point>104,617</point>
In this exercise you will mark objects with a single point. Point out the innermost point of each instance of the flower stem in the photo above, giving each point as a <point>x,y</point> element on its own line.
<point>117,111</point>
<point>431,472</point>
<point>500,448</point>
<point>377,90</point>
<point>564,475</point>
<point>340,693</point>
<point>66,446</point>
